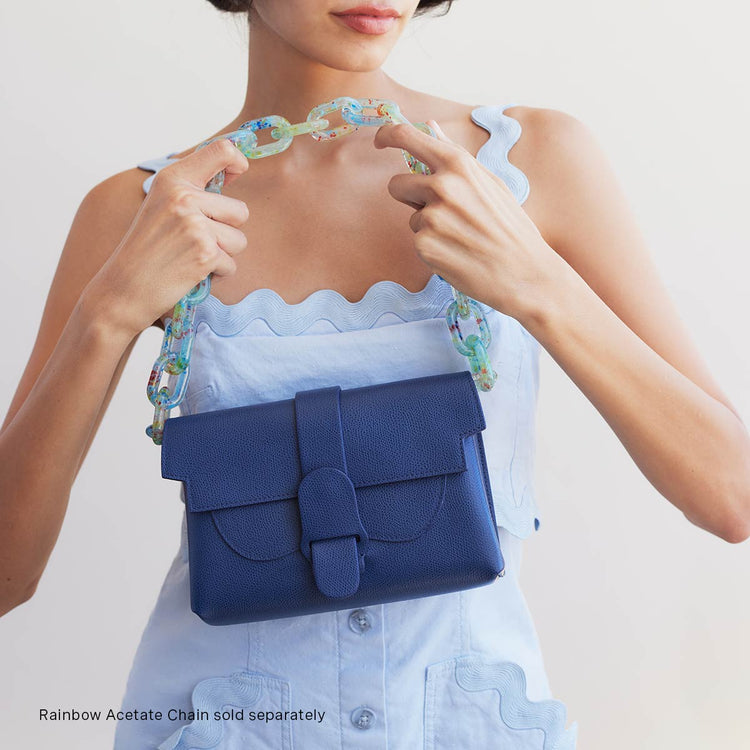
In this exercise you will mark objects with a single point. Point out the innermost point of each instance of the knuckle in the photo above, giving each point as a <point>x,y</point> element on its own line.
<point>194,224</point>
<point>455,153</point>
<point>180,202</point>
<point>401,129</point>
<point>431,219</point>
<point>223,147</point>
<point>205,254</point>
<point>440,184</point>
<point>456,158</point>
<point>422,244</point>
<point>236,241</point>
<point>449,186</point>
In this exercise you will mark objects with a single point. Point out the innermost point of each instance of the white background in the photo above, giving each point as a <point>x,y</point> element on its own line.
<point>644,619</point>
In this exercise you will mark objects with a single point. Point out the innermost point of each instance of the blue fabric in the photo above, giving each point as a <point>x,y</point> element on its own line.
<point>460,669</point>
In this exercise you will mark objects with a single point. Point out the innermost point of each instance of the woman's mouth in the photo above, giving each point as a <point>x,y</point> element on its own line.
<point>369,20</point>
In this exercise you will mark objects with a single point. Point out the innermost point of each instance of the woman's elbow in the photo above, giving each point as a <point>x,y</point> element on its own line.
<point>16,596</point>
<point>724,510</point>
<point>737,529</point>
<point>734,501</point>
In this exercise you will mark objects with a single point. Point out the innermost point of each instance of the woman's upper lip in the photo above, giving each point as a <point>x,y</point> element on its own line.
<point>369,10</point>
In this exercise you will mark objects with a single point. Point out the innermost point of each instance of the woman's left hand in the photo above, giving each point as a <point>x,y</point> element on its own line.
<point>469,227</point>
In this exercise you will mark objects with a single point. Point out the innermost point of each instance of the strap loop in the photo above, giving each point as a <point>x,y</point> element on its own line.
<point>333,536</point>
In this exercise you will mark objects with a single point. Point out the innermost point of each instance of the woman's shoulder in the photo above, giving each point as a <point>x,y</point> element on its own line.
<point>547,131</point>
<point>108,208</point>
<point>106,213</point>
<point>545,134</point>
<point>121,192</point>
<point>556,151</point>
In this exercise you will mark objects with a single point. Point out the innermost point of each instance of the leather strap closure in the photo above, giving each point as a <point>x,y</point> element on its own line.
<point>333,537</point>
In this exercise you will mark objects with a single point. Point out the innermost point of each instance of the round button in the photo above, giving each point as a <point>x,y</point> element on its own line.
<point>360,621</point>
<point>363,717</point>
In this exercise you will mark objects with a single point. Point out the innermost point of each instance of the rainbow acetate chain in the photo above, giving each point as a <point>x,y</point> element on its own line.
<point>179,332</point>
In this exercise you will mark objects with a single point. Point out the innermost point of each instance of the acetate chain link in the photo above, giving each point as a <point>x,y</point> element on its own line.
<point>179,330</point>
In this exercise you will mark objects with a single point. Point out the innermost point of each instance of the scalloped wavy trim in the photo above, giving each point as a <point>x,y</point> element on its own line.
<point>516,710</point>
<point>238,690</point>
<point>504,133</point>
<point>382,298</point>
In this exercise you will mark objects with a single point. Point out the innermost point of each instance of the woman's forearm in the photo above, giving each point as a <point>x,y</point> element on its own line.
<point>690,446</point>
<point>41,448</point>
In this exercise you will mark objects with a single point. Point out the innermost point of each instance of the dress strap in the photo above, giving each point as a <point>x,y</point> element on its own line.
<point>504,132</point>
<point>154,165</point>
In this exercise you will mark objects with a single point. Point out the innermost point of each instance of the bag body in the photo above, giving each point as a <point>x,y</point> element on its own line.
<point>335,498</point>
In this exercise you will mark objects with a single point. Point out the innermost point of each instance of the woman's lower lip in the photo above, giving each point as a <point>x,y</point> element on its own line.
<point>368,24</point>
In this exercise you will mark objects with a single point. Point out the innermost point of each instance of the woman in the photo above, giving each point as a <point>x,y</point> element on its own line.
<point>546,243</point>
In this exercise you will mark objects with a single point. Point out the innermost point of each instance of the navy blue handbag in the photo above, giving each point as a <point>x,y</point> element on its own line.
<point>335,498</point>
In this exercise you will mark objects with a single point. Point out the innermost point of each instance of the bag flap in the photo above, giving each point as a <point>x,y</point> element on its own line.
<point>391,432</point>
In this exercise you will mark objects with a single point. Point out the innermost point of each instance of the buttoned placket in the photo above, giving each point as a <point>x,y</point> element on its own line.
<point>362,677</point>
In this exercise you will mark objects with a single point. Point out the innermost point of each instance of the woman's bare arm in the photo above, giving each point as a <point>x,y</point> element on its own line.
<point>579,278</point>
<point>67,384</point>
<point>126,261</point>
<point>609,322</point>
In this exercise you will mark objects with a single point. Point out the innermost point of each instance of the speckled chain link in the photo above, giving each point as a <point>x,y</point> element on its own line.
<point>179,331</point>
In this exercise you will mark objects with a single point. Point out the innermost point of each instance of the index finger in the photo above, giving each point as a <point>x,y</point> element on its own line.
<point>431,151</point>
<point>201,166</point>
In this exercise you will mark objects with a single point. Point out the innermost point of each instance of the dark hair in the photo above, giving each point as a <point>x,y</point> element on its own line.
<point>242,6</point>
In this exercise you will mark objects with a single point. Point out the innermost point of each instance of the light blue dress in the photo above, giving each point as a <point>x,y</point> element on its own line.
<point>460,670</point>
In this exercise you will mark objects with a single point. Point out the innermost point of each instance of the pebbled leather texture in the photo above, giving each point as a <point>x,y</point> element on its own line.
<point>336,498</point>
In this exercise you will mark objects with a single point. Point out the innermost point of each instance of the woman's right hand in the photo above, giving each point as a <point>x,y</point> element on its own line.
<point>180,235</point>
